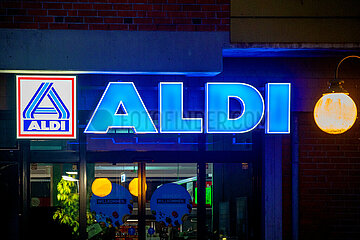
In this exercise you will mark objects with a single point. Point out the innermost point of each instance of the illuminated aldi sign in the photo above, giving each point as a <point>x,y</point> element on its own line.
<point>121,106</point>
<point>46,107</point>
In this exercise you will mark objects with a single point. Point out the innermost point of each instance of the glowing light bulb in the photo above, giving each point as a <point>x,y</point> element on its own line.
<point>101,187</point>
<point>134,187</point>
<point>335,113</point>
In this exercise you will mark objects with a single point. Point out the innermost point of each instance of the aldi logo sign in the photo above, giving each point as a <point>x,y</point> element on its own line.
<point>46,107</point>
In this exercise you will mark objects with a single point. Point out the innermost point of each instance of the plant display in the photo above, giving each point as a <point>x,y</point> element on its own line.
<point>68,212</point>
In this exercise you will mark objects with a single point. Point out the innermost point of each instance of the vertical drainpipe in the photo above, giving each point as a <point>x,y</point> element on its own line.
<point>295,177</point>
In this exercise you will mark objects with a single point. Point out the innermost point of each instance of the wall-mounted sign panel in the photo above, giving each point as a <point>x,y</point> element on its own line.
<point>46,107</point>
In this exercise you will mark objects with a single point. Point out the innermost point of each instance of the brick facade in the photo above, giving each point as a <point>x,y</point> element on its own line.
<point>133,15</point>
<point>329,171</point>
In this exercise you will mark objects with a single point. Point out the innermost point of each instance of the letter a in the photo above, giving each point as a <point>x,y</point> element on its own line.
<point>34,126</point>
<point>105,116</point>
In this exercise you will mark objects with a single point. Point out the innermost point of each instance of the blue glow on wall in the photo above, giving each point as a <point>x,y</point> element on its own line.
<point>106,115</point>
<point>218,111</point>
<point>278,108</point>
<point>172,110</point>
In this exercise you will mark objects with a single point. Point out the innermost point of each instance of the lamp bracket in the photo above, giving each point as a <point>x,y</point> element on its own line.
<point>342,60</point>
<point>335,85</point>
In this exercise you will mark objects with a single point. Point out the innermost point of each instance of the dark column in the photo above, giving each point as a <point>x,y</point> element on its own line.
<point>295,177</point>
<point>82,187</point>
<point>218,193</point>
<point>201,207</point>
<point>201,192</point>
<point>272,188</point>
<point>142,200</point>
<point>25,183</point>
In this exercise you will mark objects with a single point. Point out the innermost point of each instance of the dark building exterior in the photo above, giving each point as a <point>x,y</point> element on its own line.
<point>300,184</point>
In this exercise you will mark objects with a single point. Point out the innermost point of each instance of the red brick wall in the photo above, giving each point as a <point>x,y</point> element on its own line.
<point>134,15</point>
<point>329,184</point>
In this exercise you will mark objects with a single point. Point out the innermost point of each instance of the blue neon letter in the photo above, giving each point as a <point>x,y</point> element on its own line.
<point>121,95</point>
<point>171,111</point>
<point>217,107</point>
<point>278,108</point>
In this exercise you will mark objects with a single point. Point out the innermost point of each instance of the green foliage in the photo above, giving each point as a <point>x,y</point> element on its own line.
<point>68,197</point>
<point>68,213</point>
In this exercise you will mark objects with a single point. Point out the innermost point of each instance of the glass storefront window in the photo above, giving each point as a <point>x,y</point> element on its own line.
<point>113,201</point>
<point>54,206</point>
<point>172,209</point>
<point>236,201</point>
<point>171,200</point>
<point>112,209</point>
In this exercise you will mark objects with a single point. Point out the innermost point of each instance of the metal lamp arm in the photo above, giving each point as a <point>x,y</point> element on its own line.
<point>337,68</point>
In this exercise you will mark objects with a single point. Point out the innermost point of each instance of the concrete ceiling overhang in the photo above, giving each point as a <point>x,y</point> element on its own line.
<point>111,52</point>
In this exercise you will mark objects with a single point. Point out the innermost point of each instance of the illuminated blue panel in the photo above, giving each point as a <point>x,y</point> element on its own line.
<point>278,108</point>
<point>106,115</point>
<point>217,107</point>
<point>172,111</point>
